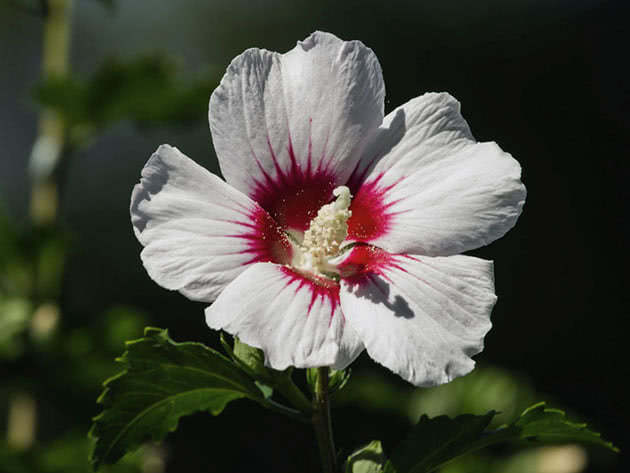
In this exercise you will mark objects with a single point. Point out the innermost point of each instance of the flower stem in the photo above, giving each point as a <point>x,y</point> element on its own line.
<point>322,422</point>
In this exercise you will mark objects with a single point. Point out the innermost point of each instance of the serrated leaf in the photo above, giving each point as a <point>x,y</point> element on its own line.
<point>547,425</point>
<point>368,459</point>
<point>435,442</point>
<point>162,382</point>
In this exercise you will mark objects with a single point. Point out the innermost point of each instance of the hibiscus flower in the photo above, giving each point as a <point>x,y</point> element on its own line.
<point>336,229</point>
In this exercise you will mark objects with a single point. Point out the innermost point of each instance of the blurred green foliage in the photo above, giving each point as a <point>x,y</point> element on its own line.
<point>145,91</point>
<point>14,318</point>
<point>40,7</point>
<point>564,459</point>
<point>485,389</point>
<point>67,454</point>
<point>32,263</point>
<point>36,346</point>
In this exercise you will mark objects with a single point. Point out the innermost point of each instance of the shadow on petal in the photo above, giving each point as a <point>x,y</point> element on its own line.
<point>377,290</point>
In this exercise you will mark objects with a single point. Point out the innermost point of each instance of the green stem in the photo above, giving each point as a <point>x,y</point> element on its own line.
<point>322,423</point>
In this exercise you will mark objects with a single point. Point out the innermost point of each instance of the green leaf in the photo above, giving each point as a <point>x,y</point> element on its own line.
<point>265,389</point>
<point>368,459</point>
<point>162,382</point>
<point>269,380</point>
<point>486,388</point>
<point>253,360</point>
<point>546,425</point>
<point>435,442</point>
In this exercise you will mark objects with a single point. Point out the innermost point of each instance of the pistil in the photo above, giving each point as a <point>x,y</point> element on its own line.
<point>326,232</point>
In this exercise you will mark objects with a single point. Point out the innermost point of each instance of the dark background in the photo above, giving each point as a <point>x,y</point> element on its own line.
<point>547,82</point>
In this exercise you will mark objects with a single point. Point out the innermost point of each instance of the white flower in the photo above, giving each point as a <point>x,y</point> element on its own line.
<point>337,229</point>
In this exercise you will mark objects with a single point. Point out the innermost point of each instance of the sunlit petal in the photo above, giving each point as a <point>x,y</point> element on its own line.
<point>431,188</point>
<point>422,317</point>
<point>198,232</point>
<point>295,320</point>
<point>289,128</point>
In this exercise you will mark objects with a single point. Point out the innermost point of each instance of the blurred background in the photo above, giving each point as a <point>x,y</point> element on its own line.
<point>90,88</point>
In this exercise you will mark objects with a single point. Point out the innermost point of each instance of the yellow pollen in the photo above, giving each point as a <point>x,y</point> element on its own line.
<point>326,232</point>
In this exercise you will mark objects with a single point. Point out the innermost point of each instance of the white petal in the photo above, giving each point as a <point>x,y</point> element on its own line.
<point>198,232</point>
<point>435,191</point>
<point>294,320</point>
<point>289,127</point>
<point>422,317</point>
